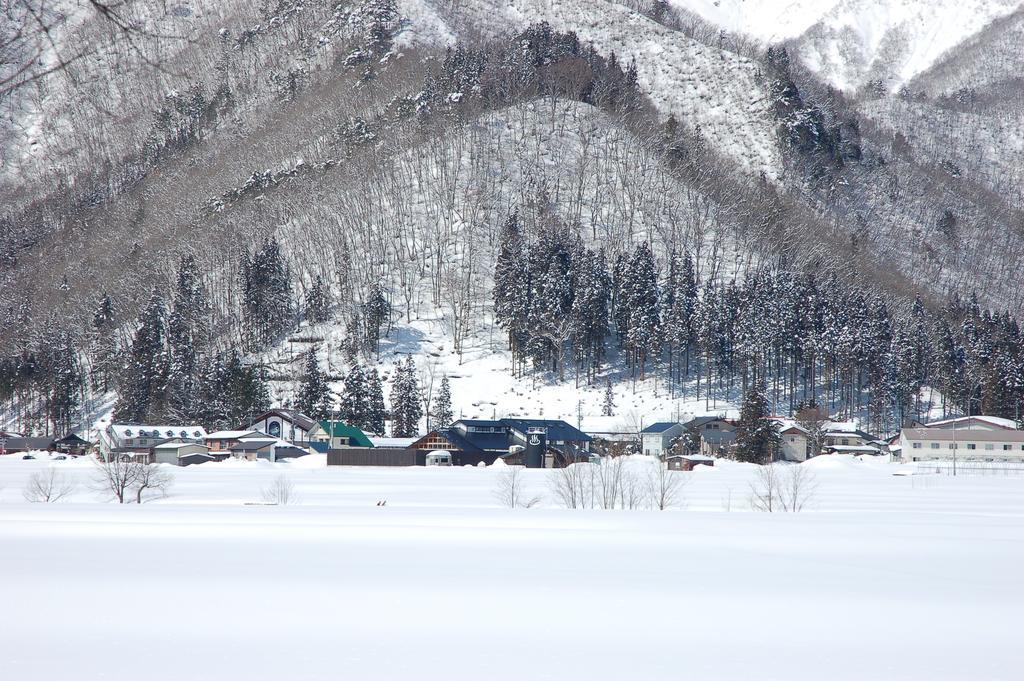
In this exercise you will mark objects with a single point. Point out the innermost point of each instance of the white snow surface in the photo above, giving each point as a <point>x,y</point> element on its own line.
<point>701,85</point>
<point>770,21</point>
<point>890,577</point>
<point>848,42</point>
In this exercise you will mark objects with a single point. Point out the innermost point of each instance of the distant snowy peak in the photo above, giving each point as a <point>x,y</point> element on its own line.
<point>891,40</point>
<point>851,42</point>
<point>769,21</point>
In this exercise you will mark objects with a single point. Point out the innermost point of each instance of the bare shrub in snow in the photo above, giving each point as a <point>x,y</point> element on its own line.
<point>49,486</point>
<point>510,492</point>
<point>117,476</point>
<point>764,490</point>
<point>665,487</point>
<point>153,477</point>
<point>611,476</point>
<point>797,488</point>
<point>575,485</point>
<point>280,492</point>
<point>780,487</point>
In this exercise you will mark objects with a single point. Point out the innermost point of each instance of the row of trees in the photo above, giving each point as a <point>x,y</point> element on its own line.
<point>806,341</point>
<point>361,400</point>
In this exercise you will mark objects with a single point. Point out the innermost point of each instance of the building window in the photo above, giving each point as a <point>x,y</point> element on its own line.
<point>846,441</point>
<point>1007,448</point>
<point>989,448</point>
<point>916,445</point>
<point>935,445</point>
<point>971,445</point>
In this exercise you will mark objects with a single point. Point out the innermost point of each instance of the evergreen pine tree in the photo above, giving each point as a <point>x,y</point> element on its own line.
<point>512,286</point>
<point>143,385</point>
<point>443,405</point>
<point>608,407</point>
<point>355,398</point>
<point>376,411</point>
<point>757,436</point>
<point>318,302</point>
<point>314,395</point>
<point>378,316</point>
<point>406,405</point>
<point>104,350</point>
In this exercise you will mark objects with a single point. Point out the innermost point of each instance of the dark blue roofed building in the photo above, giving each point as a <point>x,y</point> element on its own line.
<point>536,443</point>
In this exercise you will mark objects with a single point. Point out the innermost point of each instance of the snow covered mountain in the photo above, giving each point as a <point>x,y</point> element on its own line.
<point>849,43</point>
<point>865,149</point>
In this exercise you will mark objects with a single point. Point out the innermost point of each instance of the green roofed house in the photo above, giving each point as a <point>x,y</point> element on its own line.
<point>336,435</point>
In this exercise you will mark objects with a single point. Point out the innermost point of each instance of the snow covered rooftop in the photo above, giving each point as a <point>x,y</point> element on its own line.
<point>232,434</point>
<point>392,442</point>
<point>1009,424</point>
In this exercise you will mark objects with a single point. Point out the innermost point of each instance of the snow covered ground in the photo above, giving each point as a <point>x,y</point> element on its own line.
<point>886,577</point>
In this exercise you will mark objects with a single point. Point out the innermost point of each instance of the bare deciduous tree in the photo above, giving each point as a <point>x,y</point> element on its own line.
<point>117,476</point>
<point>280,492</point>
<point>510,491</point>
<point>782,487</point>
<point>665,487</point>
<point>575,485</point>
<point>797,488</point>
<point>49,486</point>
<point>152,477</point>
<point>764,490</point>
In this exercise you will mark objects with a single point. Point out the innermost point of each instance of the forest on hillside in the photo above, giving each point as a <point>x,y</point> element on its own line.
<point>300,165</point>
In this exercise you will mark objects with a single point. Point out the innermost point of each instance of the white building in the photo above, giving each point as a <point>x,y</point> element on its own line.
<point>658,439</point>
<point>971,438</point>
<point>127,439</point>
<point>792,442</point>
<point>287,424</point>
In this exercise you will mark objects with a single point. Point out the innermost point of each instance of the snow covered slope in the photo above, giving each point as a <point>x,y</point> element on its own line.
<point>849,42</point>
<point>768,21</point>
<point>861,40</point>
<point>701,85</point>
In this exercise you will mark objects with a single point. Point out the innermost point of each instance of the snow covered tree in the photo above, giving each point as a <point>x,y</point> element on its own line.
<point>104,354</point>
<point>314,395</point>
<point>644,331</point>
<point>266,295</point>
<point>143,383</point>
<point>406,405</point>
<point>443,404</point>
<point>188,336</point>
<point>60,378</point>
<point>377,316</point>
<point>376,411</point>
<point>355,398</point>
<point>757,437</point>
<point>608,406</point>
<point>318,302</point>
<point>512,286</point>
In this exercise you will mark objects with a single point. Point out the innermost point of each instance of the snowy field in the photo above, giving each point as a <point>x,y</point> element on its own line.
<point>884,577</point>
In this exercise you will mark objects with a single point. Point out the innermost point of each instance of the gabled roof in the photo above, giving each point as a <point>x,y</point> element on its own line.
<point>701,420</point>
<point>660,427</point>
<point>341,429</point>
<point>176,443</point>
<point>124,430</point>
<point>293,416</point>
<point>556,429</point>
<point>72,438</point>
<point>232,434</point>
<point>251,445</point>
<point>1008,424</point>
<point>459,441</point>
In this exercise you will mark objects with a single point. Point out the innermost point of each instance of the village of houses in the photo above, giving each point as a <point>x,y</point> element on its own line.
<point>283,434</point>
